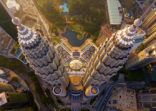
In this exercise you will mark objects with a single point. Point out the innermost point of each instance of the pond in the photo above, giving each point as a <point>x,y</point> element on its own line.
<point>64,7</point>
<point>69,34</point>
<point>72,38</point>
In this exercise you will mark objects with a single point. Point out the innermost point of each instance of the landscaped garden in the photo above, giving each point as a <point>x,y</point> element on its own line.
<point>83,16</point>
<point>50,9</point>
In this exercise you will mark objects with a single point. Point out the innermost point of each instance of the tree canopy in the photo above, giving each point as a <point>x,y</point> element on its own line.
<point>90,14</point>
<point>51,10</point>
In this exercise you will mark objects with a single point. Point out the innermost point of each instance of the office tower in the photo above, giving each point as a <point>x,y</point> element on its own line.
<point>6,42</point>
<point>149,26</point>
<point>145,53</point>
<point>149,19</point>
<point>143,58</point>
<point>110,57</point>
<point>43,58</point>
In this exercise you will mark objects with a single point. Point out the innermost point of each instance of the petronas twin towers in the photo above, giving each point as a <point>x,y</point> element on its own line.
<point>47,64</point>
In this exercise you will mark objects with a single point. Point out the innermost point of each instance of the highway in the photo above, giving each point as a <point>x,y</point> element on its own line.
<point>100,105</point>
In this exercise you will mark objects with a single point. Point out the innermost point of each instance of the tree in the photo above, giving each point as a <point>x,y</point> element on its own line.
<point>50,9</point>
<point>15,79</point>
<point>90,14</point>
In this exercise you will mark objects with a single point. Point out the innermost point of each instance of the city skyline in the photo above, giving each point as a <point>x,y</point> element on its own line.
<point>65,62</point>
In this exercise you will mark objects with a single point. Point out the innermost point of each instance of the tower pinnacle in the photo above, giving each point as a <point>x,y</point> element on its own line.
<point>16,21</point>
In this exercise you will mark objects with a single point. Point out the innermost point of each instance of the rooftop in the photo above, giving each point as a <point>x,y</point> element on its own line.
<point>124,99</point>
<point>115,17</point>
<point>1,72</point>
<point>3,99</point>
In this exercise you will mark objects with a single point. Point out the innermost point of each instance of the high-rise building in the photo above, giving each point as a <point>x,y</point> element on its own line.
<point>43,59</point>
<point>145,53</point>
<point>6,24</point>
<point>105,63</point>
<point>6,42</point>
<point>149,26</point>
<point>143,58</point>
<point>110,57</point>
<point>149,21</point>
<point>143,4</point>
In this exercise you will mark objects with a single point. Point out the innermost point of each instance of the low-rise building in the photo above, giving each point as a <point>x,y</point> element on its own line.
<point>114,12</point>
<point>123,99</point>
<point>3,99</point>
<point>2,74</point>
<point>147,100</point>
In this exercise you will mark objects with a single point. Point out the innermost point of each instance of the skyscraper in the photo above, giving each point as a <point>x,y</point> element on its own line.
<point>47,64</point>
<point>149,19</point>
<point>144,54</point>
<point>149,26</point>
<point>43,59</point>
<point>110,57</point>
<point>143,58</point>
<point>6,42</point>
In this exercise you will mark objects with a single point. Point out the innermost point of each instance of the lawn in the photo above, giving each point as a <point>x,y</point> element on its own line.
<point>18,97</point>
<point>13,64</point>
<point>6,88</point>
<point>83,13</point>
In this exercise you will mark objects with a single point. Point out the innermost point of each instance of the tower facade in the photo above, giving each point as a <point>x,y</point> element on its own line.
<point>43,58</point>
<point>149,19</point>
<point>110,57</point>
<point>150,26</point>
<point>145,53</point>
<point>6,43</point>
